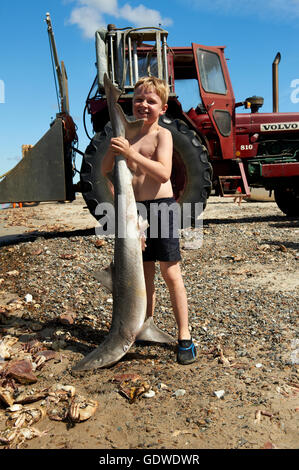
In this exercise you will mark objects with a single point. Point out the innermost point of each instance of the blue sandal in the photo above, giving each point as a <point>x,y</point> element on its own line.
<point>186,351</point>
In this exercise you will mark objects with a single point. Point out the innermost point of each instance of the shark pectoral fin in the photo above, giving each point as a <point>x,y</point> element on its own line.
<point>151,333</point>
<point>142,224</point>
<point>132,128</point>
<point>105,277</point>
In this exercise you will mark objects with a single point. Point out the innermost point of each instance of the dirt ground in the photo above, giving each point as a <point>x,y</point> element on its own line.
<point>242,284</point>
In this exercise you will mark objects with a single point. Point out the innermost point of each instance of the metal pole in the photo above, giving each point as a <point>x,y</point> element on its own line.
<point>159,55</point>
<point>130,60</point>
<point>111,58</point>
<point>135,59</point>
<point>165,59</point>
<point>55,55</point>
<point>275,82</point>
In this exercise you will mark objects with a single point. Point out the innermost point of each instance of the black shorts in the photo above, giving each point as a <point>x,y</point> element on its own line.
<point>162,235</point>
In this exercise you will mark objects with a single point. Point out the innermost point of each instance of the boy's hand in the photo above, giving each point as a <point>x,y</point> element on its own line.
<point>120,146</point>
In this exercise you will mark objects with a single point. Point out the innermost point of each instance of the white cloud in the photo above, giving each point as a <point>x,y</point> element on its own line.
<point>88,19</point>
<point>142,16</point>
<point>89,15</point>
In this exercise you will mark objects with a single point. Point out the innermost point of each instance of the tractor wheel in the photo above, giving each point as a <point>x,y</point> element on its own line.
<point>191,170</point>
<point>287,200</point>
<point>94,186</point>
<point>191,173</point>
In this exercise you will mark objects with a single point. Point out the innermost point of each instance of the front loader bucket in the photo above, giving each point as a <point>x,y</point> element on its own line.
<point>44,174</point>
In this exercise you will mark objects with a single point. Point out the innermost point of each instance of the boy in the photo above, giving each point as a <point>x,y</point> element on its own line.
<point>149,156</point>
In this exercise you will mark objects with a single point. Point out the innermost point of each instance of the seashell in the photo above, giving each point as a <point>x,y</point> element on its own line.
<point>179,393</point>
<point>219,393</point>
<point>149,394</point>
<point>28,298</point>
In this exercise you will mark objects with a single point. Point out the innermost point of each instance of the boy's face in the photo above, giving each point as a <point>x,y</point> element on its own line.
<point>147,105</point>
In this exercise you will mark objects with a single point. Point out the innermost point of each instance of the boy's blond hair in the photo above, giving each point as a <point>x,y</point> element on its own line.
<point>160,87</point>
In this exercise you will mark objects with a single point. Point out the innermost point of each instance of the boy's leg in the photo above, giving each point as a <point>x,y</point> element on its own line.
<point>171,272</point>
<point>149,275</point>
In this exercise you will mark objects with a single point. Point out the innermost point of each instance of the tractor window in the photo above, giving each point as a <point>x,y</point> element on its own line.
<point>147,66</point>
<point>211,74</point>
<point>188,93</point>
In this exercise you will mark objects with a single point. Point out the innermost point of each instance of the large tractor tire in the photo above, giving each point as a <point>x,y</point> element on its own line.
<point>191,170</point>
<point>287,200</point>
<point>95,188</point>
<point>191,173</point>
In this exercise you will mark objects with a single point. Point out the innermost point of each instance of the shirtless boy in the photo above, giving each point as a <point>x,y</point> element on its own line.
<point>149,156</point>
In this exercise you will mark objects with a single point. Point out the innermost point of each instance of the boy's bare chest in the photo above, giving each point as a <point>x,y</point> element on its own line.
<point>146,146</point>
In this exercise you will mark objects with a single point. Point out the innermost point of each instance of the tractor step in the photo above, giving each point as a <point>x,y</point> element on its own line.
<point>234,185</point>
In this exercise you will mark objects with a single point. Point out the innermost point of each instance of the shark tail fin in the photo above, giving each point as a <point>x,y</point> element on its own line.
<point>112,92</point>
<point>151,333</point>
<point>132,128</point>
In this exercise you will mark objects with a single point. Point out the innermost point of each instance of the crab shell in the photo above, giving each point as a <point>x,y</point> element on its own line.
<point>58,413</point>
<point>8,435</point>
<point>81,408</point>
<point>25,416</point>
<point>28,433</point>
<point>24,398</point>
<point>6,396</point>
<point>6,344</point>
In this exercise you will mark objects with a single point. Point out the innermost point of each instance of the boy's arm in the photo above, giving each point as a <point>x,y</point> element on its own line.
<point>160,168</point>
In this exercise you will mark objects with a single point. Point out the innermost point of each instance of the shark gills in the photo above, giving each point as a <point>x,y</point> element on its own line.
<point>125,276</point>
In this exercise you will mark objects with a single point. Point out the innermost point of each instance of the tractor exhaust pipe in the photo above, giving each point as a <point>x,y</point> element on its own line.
<point>275,81</point>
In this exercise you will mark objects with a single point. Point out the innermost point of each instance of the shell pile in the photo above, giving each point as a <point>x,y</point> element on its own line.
<point>18,363</point>
<point>61,403</point>
<point>20,425</point>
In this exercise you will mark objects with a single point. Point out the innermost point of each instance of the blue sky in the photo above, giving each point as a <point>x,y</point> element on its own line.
<point>253,32</point>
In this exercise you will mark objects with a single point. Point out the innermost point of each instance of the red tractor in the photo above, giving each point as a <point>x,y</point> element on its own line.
<point>214,147</point>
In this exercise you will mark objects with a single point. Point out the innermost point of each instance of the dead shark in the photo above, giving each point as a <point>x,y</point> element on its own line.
<point>125,276</point>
